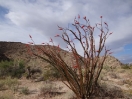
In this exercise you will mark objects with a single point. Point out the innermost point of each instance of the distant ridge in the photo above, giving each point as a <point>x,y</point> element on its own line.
<point>18,51</point>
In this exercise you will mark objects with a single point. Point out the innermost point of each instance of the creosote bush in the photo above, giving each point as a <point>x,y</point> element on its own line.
<point>51,73</point>
<point>83,72</point>
<point>25,91</point>
<point>8,83</point>
<point>125,66</point>
<point>11,68</point>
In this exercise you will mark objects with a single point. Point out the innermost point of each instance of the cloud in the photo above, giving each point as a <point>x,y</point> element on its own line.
<point>40,18</point>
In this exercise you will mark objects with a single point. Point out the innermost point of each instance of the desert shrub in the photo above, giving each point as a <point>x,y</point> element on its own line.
<point>51,73</point>
<point>107,90</point>
<point>125,66</point>
<point>10,68</point>
<point>2,85</point>
<point>82,73</point>
<point>113,75</point>
<point>18,69</point>
<point>46,88</point>
<point>5,67</point>
<point>128,94</point>
<point>120,71</point>
<point>107,68</point>
<point>25,91</point>
<point>55,73</point>
<point>8,83</point>
<point>46,75</point>
<point>128,82</point>
<point>49,90</point>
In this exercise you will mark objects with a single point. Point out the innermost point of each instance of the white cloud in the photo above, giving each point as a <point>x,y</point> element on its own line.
<point>40,18</point>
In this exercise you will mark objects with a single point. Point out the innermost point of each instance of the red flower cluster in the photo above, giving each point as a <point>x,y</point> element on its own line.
<point>76,22</point>
<point>110,33</point>
<point>97,51</point>
<point>83,26</point>
<point>84,17</point>
<point>57,35</point>
<point>111,53</point>
<point>78,16</point>
<point>105,23</point>
<point>51,40</point>
<point>60,28</point>
<point>75,67</point>
<point>30,36</point>
<point>30,43</point>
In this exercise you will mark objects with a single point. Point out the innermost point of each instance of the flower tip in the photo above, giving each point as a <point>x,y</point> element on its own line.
<point>97,51</point>
<point>76,22</point>
<point>30,36</point>
<point>83,26</point>
<point>75,67</point>
<point>110,33</point>
<point>78,16</point>
<point>100,16</point>
<point>57,35</point>
<point>60,29</point>
<point>111,53</point>
<point>84,17</point>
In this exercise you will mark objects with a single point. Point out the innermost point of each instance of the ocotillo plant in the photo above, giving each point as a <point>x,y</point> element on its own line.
<point>82,77</point>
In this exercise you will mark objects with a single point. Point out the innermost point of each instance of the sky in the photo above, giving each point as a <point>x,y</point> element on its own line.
<point>39,18</point>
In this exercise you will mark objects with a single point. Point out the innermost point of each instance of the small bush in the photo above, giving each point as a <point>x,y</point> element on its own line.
<point>5,67</point>
<point>125,66</point>
<point>128,94</point>
<point>128,82</point>
<point>47,88</point>
<point>106,68</point>
<point>10,68</point>
<point>112,91</point>
<point>120,70</point>
<point>51,73</point>
<point>2,85</point>
<point>113,75</point>
<point>8,83</point>
<point>25,91</point>
<point>11,82</point>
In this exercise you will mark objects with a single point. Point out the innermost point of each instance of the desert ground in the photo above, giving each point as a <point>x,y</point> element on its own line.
<point>117,82</point>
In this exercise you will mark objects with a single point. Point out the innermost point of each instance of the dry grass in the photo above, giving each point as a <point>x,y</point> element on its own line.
<point>8,83</point>
<point>25,91</point>
<point>7,95</point>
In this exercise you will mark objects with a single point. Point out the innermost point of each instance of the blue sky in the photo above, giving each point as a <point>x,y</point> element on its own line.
<point>39,18</point>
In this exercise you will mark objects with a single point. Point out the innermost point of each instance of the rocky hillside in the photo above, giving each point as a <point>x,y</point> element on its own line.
<point>114,80</point>
<point>18,51</point>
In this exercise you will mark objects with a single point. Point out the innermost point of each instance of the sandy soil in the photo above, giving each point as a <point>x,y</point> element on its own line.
<point>35,93</point>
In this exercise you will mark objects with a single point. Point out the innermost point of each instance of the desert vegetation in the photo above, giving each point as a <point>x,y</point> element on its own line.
<point>49,72</point>
<point>82,75</point>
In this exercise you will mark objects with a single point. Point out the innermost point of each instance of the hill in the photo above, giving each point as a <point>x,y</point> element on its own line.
<point>114,79</point>
<point>18,51</point>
